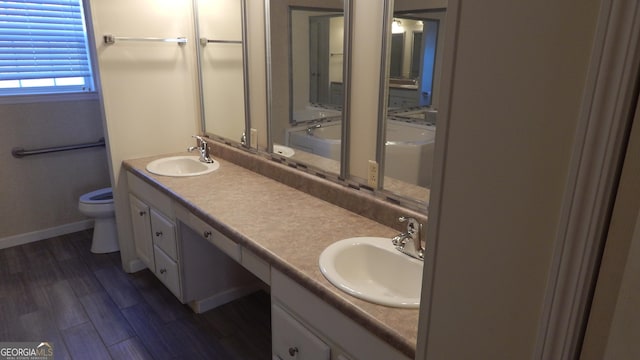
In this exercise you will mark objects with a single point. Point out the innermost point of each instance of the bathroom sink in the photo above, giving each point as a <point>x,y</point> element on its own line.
<point>181,166</point>
<point>283,150</point>
<point>370,268</point>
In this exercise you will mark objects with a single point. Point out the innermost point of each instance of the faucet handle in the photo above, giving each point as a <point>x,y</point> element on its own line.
<point>198,138</point>
<point>413,226</point>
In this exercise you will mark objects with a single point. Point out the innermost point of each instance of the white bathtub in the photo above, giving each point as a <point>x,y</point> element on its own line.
<point>323,141</point>
<point>408,149</point>
<point>409,152</point>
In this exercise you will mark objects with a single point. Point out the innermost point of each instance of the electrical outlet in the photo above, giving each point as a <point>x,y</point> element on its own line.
<point>254,137</point>
<point>372,178</point>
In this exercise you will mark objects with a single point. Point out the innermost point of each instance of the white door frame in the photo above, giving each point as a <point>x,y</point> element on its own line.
<point>608,106</point>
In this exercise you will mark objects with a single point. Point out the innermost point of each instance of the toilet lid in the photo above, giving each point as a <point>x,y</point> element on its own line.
<point>101,196</point>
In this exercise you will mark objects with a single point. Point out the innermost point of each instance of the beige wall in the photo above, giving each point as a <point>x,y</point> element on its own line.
<point>365,83</point>
<point>513,102</point>
<point>149,89</point>
<point>38,193</point>
<point>257,70</point>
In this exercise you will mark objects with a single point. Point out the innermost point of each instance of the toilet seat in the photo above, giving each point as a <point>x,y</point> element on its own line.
<point>99,205</point>
<point>101,196</point>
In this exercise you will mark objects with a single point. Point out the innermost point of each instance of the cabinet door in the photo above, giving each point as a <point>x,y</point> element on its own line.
<point>140,219</point>
<point>291,340</point>
<point>164,234</point>
<point>167,272</point>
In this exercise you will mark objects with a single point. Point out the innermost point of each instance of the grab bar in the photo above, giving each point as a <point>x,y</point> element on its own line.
<point>205,41</point>
<point>110,39</point>
<point>21,152</point>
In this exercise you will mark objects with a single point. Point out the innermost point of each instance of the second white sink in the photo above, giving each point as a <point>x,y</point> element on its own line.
<point>181,166</point>
<point>371,269</point>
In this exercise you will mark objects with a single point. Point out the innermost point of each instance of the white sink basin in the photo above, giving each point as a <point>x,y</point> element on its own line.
<point>370,268</point>
<point>181,166</point>
<point>283,150</point>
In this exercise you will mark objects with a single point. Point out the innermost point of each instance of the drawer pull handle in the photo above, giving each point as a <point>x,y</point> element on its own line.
<point>142,213</point>
<point>207,234</point>
<point>293,351</point>
<point>158,233</point>
<point>162,271</point>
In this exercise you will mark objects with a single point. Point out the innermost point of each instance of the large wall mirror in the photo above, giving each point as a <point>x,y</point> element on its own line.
<point>307,49</point>
<point>413,59</point>
<point>221,29</point>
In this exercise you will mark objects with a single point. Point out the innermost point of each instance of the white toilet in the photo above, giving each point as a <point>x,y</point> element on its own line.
<point>99,205</point>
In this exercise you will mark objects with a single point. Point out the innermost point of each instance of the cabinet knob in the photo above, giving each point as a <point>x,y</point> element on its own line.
<point>293,351</point>
<point>158,233</point>
<point>207,234</point>
<point>142,213</point>
<point>162,271</point>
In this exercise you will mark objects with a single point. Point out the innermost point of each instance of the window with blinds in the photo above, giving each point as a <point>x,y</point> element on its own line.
<point>43,47</point>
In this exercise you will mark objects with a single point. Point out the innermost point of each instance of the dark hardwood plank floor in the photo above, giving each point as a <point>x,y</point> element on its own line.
<point>56,290</point>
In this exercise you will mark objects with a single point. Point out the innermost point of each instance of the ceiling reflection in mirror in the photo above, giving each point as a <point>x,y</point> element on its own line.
<point>414,61</point>
<point>306,44</point>
<point>222,67</point>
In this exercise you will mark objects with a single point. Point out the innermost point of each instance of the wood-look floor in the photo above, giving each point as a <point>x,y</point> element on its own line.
<point>56,290</point>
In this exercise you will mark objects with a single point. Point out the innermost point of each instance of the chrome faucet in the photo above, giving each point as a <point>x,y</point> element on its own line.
<point>410,242</point>
<point>313,127</point>
<point>202,148</point>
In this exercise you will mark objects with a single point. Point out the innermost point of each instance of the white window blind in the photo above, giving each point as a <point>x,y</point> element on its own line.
<point>43,47</point>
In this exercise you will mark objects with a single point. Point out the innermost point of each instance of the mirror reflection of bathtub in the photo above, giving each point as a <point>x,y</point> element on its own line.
<point>409,152</point>
<point>408,149</point>
<point>322,138</point>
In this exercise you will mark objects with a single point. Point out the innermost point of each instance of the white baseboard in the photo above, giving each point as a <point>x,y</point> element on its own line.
<point>212,302</point>
<point>29,237</point>
<point>135,266</point>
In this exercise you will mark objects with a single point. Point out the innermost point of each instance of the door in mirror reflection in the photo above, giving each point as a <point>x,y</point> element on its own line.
<point>222,67</point>
<point>307,80</point>
<point>412,98</point>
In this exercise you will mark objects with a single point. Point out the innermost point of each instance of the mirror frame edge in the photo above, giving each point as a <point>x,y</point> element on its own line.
<point>196,25</point>
<point>383,94</point>
<point>267,40</point>
<point>346,89</point>
<point>245,77</point>
<point>245,71</point>
<point>343,173</point>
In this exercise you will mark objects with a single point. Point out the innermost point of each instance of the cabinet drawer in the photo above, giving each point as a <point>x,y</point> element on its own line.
<point>329,322</point>
<point>212,235</point>
<point>163,231</point>
<point>167,271</point>
<point>291,340</point>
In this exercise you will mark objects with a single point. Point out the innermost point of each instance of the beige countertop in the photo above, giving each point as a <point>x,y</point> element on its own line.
<point>289,229</point>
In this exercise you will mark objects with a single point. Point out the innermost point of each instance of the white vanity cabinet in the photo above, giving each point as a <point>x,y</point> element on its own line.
<point>141,223</point>
<point>155,233</point>
<point>155,240</point>
<point>320,328</point>
<point>196,262</point>
<point>291,340</point>
<point>403,98</point>
<point>163,231</point>
<point>190,253</point>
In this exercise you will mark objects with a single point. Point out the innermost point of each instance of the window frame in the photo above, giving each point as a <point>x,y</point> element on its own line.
<point>58,92</point>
